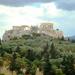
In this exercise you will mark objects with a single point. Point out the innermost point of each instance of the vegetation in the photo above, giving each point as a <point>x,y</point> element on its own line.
<point>23,56</point>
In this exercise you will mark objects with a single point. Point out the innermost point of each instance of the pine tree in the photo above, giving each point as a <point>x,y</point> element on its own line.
<point>45,49</point>
<point>53,52</point>
<point>13,62</point>
<point>47,65</point>
<point>18,49</point>
<point>68,65</point>
<point>30,55</point>
<point>0,42</point>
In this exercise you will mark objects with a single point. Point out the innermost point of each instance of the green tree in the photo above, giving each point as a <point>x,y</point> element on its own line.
<point>12,65</point>
<point>53,52</point>
<point>18,50</point>
<point>1,63</point>
<point>47,66</point>
<point>1,51</point>
<point>46,47</point>
<point>20,65</point>
<point>30,55</point>
<point>28,67</point>
<point>68,65</point>
<point>45,50</point>
<point>0,41</point>
<point>59,72</point>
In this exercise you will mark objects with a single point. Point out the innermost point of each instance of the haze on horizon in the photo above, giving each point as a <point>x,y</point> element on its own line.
<point>34,12</point>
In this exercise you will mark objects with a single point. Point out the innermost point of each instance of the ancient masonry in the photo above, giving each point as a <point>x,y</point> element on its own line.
<point>44,28</point>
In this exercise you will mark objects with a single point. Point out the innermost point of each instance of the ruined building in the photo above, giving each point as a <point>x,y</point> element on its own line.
<point>44,28</point>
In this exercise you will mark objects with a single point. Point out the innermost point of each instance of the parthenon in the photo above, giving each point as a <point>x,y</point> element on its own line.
<point>44,28</point>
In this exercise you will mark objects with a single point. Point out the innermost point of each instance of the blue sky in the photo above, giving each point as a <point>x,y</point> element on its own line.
<point>34,12</point>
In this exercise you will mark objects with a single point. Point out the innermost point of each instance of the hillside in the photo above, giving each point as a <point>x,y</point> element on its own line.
<point>37,42</point>
<point>31,54</point>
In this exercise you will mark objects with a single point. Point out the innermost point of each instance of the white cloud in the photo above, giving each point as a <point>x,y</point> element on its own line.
<point>51,9</point>
<point>26,14</point>
<point>30,11</point>
<point>26,10</point>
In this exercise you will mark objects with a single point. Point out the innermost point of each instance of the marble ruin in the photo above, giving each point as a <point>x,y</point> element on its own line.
<point>44,28</point>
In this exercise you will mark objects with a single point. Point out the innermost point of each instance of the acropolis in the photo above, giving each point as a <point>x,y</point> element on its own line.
<point>44,28</point>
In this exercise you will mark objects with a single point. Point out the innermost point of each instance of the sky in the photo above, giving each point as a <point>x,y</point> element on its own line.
<point>34,12</point>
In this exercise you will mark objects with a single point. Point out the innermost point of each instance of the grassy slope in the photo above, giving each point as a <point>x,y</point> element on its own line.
<point>37,43</point>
